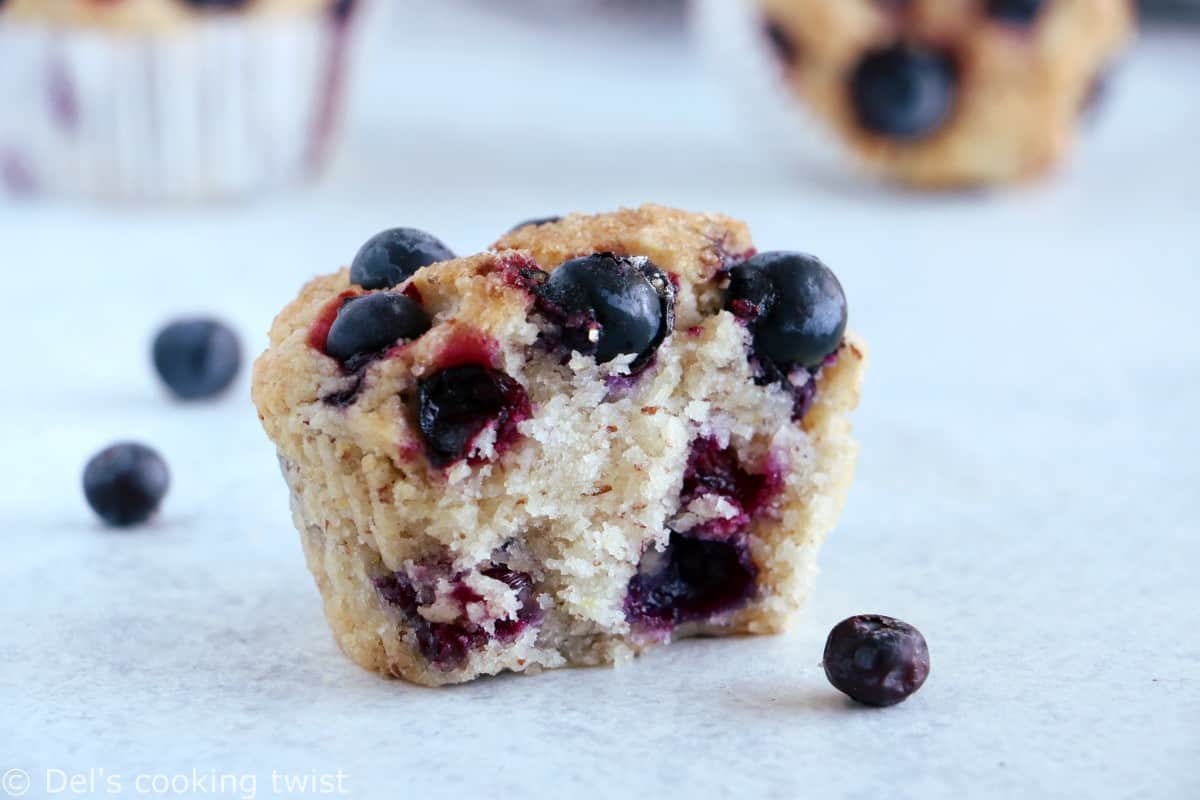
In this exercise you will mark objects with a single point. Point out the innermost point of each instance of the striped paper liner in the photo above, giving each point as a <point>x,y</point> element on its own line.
<point>223,108</point>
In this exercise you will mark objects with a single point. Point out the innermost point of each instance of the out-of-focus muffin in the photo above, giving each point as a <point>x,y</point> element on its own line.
<point>142,100</point>
<point>931,93</point>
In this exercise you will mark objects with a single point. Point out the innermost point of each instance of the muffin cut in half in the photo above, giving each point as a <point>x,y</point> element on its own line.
<point>603,434</point>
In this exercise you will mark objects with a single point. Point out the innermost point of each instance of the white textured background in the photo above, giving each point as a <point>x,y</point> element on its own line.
<point>1027,494</point>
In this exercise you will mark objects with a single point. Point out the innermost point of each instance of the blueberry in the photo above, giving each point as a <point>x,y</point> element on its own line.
<point>904,92</point>
<point>610,305</point>
<point>751,291</point>
<point>125,483</point>
<point>693,579</point>
<point>391,257</point>
<point>877,660</point>
<point>793,303</point>
<point>1015,12</point>
<point>457,404</point>
<point>532,222</point>
<point>197,358</point>
<point>368,325</point>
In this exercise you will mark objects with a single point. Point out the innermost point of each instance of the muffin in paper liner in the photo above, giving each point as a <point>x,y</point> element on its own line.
<point>933,94</point>
<point>219,106</point>
<point>600,509</point>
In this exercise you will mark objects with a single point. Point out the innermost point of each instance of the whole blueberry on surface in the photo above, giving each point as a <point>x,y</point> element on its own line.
<point>876,660</point>
<point>372,323</point>
<point>1016,12</point>
<point>125,483</point>
<point>197,358</point>
<point>532,222</point>
<point>391,257</point>
<point>611,305</point>
<point>904,92</point>
<point>793,303</point>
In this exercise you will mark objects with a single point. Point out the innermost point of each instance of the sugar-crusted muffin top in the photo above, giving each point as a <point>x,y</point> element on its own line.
<point>490,294</point>
<point>696,248</point>
<point>490,326</point>
<point>153,15</point>
<point>482,308</point>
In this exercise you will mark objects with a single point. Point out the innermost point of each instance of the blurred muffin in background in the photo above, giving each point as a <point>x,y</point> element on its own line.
<point>930,93</point>
<point>180,100</point>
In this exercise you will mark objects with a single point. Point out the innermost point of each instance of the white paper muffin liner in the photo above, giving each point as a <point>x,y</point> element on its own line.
<point>222,108</point>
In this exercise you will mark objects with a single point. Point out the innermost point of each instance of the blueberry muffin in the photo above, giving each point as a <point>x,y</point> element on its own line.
<point>947,93</point>
<point>177,100</point>
<point>606,433</point>
<point>131,15</point>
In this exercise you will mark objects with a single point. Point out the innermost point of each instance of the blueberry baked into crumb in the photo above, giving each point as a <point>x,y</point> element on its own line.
<point>945,93</point>
<point>605,433</point>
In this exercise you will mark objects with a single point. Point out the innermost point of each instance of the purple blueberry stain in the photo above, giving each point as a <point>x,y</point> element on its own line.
<point>63,96</point>
<point>528,613</point>
<point>348,394</point>
<point>713,470</point>
<point>16,173</point>
<point>692,579</point>
<point>447,645</point>
<point>705,571</point>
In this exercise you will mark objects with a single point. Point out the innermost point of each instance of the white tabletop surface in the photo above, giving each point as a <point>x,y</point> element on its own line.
<point>1027,492</point>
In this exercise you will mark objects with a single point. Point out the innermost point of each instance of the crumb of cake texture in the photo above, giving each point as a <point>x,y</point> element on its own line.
<point>506,488</point>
